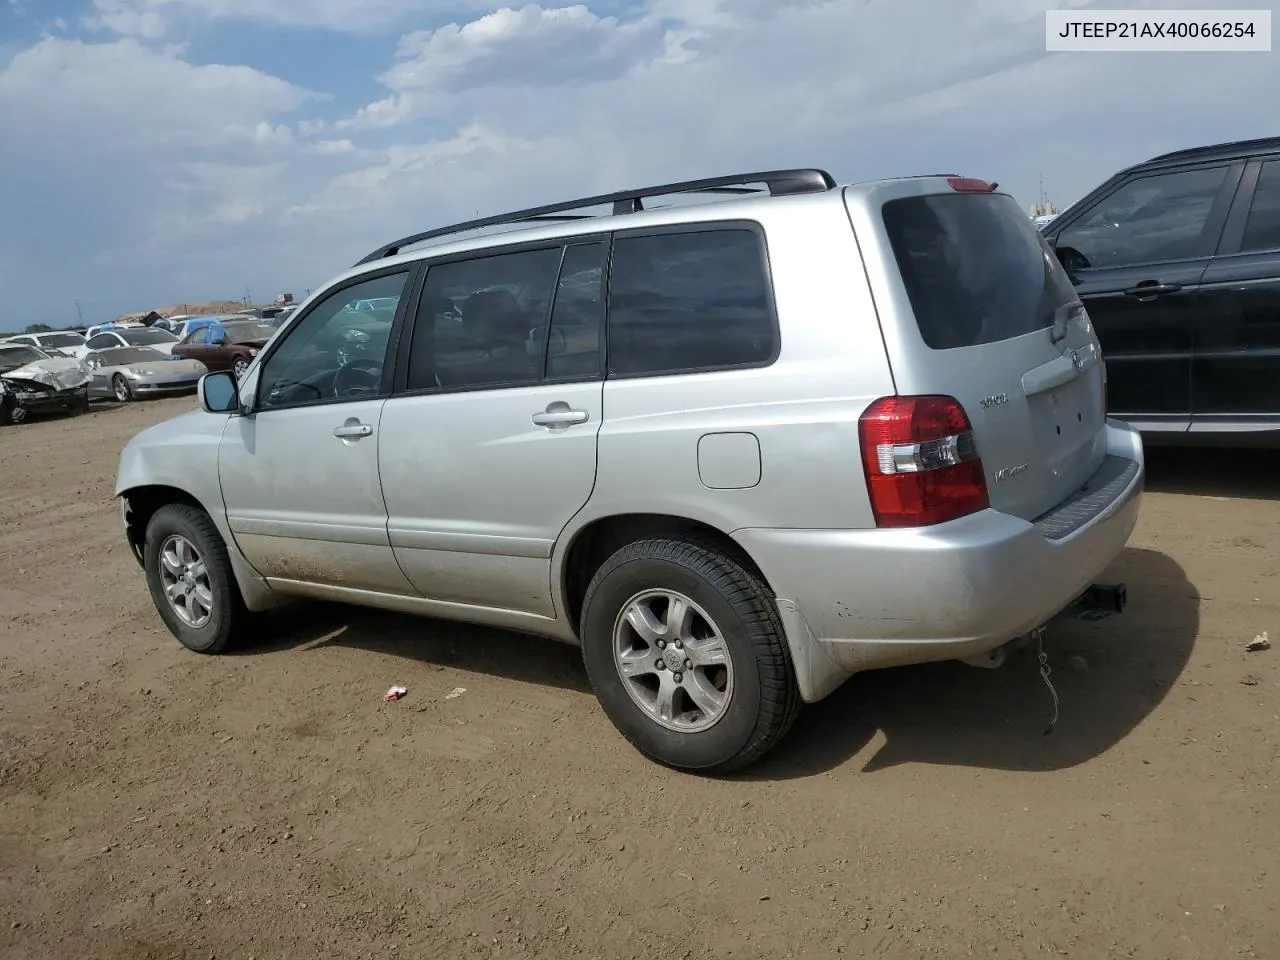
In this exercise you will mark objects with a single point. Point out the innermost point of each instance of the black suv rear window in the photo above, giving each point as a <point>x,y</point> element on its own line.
<point>975,267</point>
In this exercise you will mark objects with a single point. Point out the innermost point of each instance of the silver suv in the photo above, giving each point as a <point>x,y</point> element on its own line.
<point>737,449</point>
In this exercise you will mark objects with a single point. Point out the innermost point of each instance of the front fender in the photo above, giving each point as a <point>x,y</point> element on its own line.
<point>176,461</point>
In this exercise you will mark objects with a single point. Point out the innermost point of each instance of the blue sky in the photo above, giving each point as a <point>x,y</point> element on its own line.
<point>161,151</point>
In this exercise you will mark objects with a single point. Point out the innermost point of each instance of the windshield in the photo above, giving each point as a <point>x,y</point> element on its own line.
<point>140,338</point>
<point>130,355</point>
<point>245,332</point>
<point>61,340</point>
<point>11,358</point>
<point>975,267</point>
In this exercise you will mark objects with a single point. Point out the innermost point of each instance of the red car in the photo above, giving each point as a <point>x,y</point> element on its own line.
<point>225,345</point>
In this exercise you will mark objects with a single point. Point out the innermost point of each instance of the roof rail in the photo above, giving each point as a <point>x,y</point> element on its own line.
<point>1231,146</point>
<point>777,182</point>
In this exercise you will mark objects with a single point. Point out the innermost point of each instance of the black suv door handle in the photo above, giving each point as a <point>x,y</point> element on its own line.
<point>1149,290</point>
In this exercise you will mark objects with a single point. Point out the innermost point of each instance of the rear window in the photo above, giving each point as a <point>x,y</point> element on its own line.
<point>975,267</point>
<point>248,332</point>
<point>142,338</point>
<point>61,340</point>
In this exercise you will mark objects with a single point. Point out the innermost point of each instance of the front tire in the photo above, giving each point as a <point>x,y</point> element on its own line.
<point>120,387</point>
<point>190,578</point>
<point>686,654</point>
<point>239,368</point>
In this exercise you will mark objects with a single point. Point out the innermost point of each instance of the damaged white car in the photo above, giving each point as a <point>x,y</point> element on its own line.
<point>31,381</point>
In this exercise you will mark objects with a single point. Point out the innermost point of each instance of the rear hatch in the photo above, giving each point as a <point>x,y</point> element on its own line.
<point>974,305</point>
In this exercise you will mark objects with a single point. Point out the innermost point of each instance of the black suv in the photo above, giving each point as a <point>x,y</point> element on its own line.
<point>1178,262</point>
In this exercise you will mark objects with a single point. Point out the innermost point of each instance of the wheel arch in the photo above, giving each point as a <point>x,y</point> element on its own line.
<point>591,544</point>
<point>139,504</point>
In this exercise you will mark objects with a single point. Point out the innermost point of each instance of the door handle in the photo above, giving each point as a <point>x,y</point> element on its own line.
<point>560,418</point>
<point>1149,291</point>
<point>352,431</point>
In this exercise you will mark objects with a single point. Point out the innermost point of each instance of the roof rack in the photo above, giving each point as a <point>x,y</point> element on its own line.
<point>777,182</point>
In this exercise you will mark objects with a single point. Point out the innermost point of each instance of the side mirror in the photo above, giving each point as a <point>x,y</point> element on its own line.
<point>219,393</point>
<point>1072,260</point>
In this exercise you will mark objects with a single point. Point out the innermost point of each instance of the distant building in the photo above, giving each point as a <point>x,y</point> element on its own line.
<point>1043,210</point>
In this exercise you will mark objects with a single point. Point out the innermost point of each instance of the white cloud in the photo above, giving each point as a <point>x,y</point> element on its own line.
<point>106,96</point>
<point>166,181</point>
<point>505,49</point>
<point>695,87</point>
<point>128,154</point>
<point>152,18</point>
<point>333,148</point>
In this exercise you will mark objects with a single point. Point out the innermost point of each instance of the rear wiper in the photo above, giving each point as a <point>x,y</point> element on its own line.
<point>1061,318</point>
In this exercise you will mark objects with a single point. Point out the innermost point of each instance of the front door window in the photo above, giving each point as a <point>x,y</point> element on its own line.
<point>337,351</point>
<point>1147,220</point>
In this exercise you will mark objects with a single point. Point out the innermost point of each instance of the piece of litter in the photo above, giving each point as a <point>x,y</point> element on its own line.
<point>1249,680</point>
<point>1260,642</point>
<point>395,693</point>
<point>455,693</point>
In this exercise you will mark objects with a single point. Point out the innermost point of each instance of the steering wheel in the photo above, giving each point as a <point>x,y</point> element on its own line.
<point>357,378</point>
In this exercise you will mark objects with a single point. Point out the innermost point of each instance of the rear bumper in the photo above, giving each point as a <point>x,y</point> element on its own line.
<point>855,600</point>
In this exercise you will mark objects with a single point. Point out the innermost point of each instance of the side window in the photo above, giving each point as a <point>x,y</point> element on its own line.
<point>336,351</point>
<point>577,316</point>
<point>687,301</point>
<point>483,322</point>
<point>1262,229</point>
<point>101,342</point>
<point>1147,220</point>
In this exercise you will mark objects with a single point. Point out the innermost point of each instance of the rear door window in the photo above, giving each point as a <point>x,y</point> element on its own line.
<point>482,322</point>
<point>975,268</point>
<point>1262,230</point>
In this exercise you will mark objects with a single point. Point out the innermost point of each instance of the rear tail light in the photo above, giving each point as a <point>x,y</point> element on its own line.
<point>921,462</point>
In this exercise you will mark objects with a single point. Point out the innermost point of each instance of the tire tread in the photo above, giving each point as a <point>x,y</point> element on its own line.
<point>779,695</point>
<point>202,523</point>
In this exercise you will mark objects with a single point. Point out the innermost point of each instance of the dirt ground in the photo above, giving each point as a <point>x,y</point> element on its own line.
<point>159,804</point>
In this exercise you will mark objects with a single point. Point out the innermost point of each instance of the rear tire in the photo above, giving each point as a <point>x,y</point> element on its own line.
<point>186,559</point>
<point>710,713</point>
